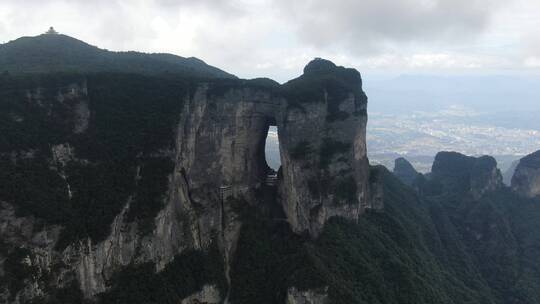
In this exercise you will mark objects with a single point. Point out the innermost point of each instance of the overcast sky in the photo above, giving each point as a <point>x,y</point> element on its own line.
<point>252,38</point>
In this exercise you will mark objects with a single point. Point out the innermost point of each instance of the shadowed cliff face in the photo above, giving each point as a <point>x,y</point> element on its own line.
<point>322,133</point>
<point>461,174</point>
<point>141,170</point>
<point>405,171</point>
<point>120,188</point>
<point>526,178</point>
<point>321,120</point>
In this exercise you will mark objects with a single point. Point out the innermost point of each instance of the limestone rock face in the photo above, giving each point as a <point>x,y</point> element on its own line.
<point>526,179</point>
<point>322,134</point>
<point>208,295</point>
<point>405,171</point>
<point>485,176</point>
<point>22,231</point>
<point>321,120</point>
<point>219,170</point>
<point>466,174</point>
<point>295,296</point>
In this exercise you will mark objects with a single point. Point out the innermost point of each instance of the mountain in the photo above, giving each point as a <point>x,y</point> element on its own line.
<point>526,178</point>
<point>494,225</point>
<point>458,173</point>
<point>128,187</point>
<point>404,171</point>
<point>60,53</point>
<point>125,173</point>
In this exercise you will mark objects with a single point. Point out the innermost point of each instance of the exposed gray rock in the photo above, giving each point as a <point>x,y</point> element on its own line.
<point>526,179</point>
<point>208,295</point>
<point>22,232</point>
<point>219,166</point>
<point>82,117</point>
<point>323,147</point>
<point>466,174</point>
<point>405,171</point>
<point>295,296</point>
<point>76,97</point>
<point>322,144</point>
<point>485,176</point>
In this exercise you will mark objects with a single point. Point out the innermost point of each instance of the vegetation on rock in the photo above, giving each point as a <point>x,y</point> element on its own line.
<point>60,53</point>
<point>132,123</point>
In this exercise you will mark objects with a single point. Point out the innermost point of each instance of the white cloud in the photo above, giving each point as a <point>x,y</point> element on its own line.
<point>532,62</point>
<point>372,26</point>
<point>276,38</point>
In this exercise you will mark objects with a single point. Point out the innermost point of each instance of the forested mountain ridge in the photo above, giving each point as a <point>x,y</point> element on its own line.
<point>60,53</point>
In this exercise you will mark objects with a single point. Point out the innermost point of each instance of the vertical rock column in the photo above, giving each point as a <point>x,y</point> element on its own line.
<point>219,162</point>
<point>322,133</point>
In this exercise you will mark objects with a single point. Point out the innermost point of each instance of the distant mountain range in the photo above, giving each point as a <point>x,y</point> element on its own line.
<point>503,94</point>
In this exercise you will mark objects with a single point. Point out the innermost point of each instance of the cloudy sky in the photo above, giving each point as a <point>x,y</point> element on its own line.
<point>276,38</point>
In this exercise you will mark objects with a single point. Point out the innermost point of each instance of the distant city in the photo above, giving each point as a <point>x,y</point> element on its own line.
<point>420,135</point>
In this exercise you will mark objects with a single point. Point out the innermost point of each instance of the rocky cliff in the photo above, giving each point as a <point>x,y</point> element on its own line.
<point>459,173</point>
<point>405,171</point>
<point>122,184</point>
<point>146,171</point>
<point>526,178</point>
<point>126,188</point>
<point>49,53</point>
<point>322,134</point>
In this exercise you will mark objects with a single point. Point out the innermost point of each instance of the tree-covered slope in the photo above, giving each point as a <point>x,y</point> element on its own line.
<point>500,233</point>
<point>121,155</point>
<point>60,53</point>
<point>409,253</point>
<point>445,248</point>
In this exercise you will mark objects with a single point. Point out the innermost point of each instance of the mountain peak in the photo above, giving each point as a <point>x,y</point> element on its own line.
<point>405,171</point>
<point>53,52</point>
<point>319,65</point>
<point>461,173</point>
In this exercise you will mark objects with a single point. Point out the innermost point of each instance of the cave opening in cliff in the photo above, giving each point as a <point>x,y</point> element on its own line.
<point>271,148</point>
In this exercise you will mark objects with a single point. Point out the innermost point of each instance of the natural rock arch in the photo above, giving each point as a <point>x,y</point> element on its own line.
<point>325,171</point>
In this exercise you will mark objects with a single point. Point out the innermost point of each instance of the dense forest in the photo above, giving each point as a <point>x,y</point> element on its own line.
<point>419,250</point>
<point>59,53</point>
<point>130,132</point>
